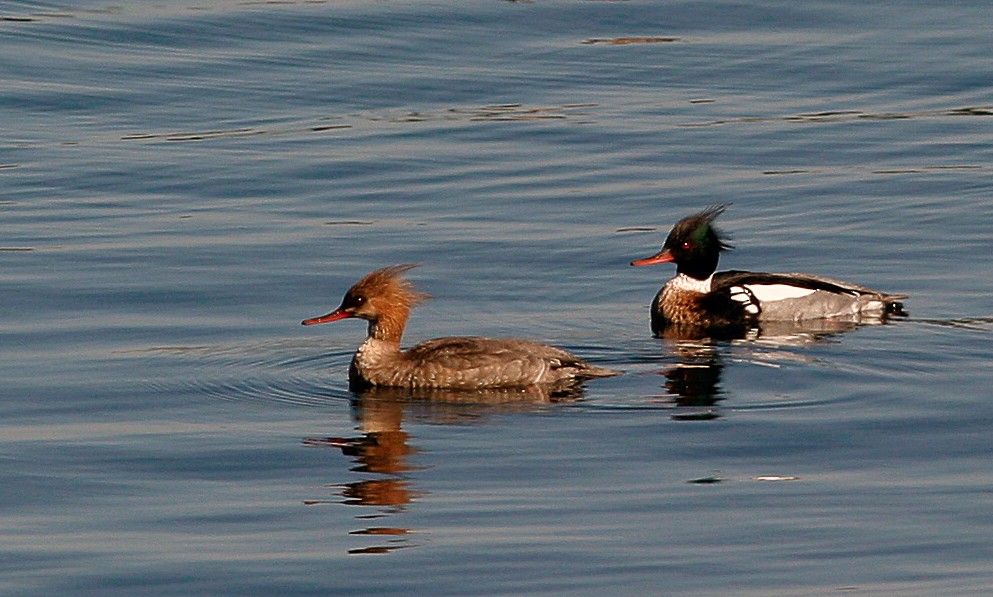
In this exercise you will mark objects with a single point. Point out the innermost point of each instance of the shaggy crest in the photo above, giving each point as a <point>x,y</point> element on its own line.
<point>700,224</point>
<point>389,283</point>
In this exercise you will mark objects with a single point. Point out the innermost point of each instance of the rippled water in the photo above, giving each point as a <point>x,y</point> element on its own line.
<point>184,182</point>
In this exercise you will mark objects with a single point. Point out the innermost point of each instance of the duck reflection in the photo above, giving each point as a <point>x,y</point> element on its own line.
<point>693,384</point>
<point>383,447</point>
<point>769,332</point>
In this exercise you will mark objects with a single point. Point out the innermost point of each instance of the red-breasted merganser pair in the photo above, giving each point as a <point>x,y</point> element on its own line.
<point>699,298</point>
<point>696,299</point>
<point>384,299</point>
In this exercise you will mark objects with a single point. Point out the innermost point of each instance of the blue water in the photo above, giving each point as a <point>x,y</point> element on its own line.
<point>183,182</point>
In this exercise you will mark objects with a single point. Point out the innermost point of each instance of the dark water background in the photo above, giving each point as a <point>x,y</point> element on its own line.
<point>183,182</point>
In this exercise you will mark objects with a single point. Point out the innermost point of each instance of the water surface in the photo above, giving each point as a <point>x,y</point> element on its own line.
<point>184,182</point>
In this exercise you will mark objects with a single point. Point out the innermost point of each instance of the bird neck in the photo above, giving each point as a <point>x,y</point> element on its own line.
<point>389,326</point>
<point>699,269</point>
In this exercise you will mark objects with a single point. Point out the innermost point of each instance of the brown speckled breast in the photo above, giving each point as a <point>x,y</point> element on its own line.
<point>679,307</point>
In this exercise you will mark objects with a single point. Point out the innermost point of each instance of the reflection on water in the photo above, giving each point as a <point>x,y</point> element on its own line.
<point>776,332</point>
<point>693,384</point>
<point>536,394</point>
<point>383,448</point>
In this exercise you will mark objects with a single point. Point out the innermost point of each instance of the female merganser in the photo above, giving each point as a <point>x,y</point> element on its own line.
<point>384,298</point>
<point>734,300</point>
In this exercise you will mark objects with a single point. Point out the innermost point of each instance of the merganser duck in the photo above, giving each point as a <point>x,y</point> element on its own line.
<point>384,299</point>
<point>738,300</point>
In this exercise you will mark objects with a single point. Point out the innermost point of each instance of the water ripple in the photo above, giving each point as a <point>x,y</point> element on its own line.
<point>625,41</point>
<point>285,372</point>
<point>849,116</point>
<point>322,124</point>
<point>976,324</point>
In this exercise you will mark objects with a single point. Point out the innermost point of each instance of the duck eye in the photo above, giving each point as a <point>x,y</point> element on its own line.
<point>687,246</point>
<point>359,301</point>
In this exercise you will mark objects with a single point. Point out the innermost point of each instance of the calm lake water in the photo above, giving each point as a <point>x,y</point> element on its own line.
<point>184,181</point>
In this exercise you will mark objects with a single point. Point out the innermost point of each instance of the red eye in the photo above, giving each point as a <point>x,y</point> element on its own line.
<point>687,246</point>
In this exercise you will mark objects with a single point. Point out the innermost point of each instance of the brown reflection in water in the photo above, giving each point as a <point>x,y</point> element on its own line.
<point>378,492</point>
<point>383,447</point>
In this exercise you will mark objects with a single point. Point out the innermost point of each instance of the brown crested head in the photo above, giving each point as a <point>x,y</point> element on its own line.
<point>384,293</point>
<point>384,290</point>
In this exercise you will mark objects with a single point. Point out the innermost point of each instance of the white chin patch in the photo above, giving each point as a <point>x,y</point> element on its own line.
<point>770,293</point>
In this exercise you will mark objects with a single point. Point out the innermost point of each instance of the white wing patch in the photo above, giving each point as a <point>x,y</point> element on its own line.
<point>769,293</point>
<point>751,296</point>
<point>744,295</point>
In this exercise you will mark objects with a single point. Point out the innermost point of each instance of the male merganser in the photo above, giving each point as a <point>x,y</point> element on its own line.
<point>735,300</point>
<point>384,298</point>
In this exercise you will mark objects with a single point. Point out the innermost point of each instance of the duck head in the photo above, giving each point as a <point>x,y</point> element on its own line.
<point>694,244</point>
<point>384,298</point>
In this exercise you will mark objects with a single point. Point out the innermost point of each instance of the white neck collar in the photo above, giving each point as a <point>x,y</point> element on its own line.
<point>684,282</point>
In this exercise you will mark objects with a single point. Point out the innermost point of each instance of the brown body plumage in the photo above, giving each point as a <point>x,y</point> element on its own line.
<point>384,298</point>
